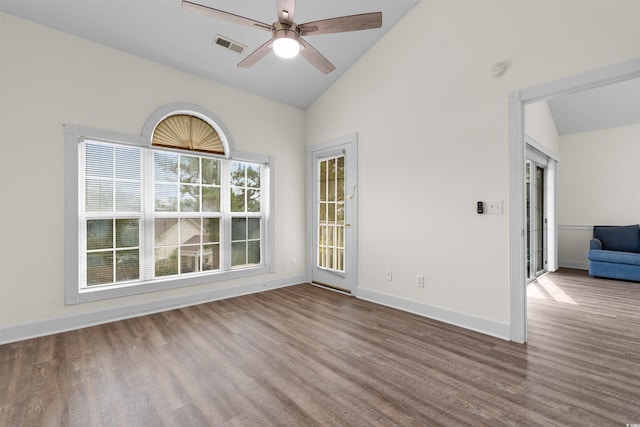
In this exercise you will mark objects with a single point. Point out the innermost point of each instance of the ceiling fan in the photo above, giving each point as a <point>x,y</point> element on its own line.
<point>286,36</point>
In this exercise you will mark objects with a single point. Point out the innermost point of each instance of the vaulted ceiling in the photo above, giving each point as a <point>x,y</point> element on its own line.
<point>603,107</point>
<point>163,31</point>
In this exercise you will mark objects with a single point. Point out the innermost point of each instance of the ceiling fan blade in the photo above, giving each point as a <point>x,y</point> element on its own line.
<point>256,55</point>
<point>286,10</point>
<point>365,21</point>
<point>220,14</point>
<point>315,57</point>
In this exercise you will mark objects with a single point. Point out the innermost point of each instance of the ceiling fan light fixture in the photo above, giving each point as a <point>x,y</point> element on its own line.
<point>286,40</point>
<point>285,44</point>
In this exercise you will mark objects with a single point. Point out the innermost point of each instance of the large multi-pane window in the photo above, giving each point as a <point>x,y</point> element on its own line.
<point>150,214</point>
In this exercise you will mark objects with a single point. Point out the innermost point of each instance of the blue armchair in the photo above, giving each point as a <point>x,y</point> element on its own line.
<point>614,252</point>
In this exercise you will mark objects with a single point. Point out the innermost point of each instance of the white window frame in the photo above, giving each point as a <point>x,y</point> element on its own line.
<point>74,294</point>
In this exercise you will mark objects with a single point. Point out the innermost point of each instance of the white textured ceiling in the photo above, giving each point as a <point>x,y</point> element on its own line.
<point>160,30</point>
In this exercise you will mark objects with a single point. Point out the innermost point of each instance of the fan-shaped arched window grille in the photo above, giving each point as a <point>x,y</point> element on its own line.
<point>187,132</point>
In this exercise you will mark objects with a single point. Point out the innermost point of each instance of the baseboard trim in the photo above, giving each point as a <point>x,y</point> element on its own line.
<point>484,326</point>
<point>64,324</point>
<point>578,265</point>
<point>578,227</point>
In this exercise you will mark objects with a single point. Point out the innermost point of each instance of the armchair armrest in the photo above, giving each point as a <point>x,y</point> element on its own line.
<point>595,243</point>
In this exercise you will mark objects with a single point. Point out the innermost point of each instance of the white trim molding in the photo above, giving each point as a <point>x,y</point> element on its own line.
<point>62,324</point>
<point>575,227</point>
<point>568,263</point>
<point>517,271</point>
<point>576,265</point>
<point>477,324</point>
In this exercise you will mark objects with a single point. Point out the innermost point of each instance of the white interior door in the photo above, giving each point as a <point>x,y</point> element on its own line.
<point>333,214</point>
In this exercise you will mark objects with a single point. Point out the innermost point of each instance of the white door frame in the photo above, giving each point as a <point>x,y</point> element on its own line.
<point>517,101</point>
<point>349,145</point>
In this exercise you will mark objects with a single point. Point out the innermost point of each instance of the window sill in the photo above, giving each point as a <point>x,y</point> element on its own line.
<point>136,288</point>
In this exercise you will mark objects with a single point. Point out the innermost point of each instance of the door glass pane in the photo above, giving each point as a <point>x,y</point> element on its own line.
<point>527,210</point>
<point>330,213</point>
<point>534,220</point>
<point>539,223</point>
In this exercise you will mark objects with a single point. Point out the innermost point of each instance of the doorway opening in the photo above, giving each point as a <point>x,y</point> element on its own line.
<point>517,168</point>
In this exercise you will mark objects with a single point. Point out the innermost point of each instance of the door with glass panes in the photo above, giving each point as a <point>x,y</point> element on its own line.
<point>333,212</point>
<point>536,220</point>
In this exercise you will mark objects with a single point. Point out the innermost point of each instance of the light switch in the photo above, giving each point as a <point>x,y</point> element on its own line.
<point>494,206</point>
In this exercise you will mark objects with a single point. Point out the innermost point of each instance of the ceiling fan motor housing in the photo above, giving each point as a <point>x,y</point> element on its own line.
<point>286,41</point>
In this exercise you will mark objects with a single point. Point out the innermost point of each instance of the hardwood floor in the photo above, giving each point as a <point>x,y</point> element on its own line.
<point>305,356</point>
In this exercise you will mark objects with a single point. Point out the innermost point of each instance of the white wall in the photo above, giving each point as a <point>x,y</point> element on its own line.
<point>540,126</point>
<point>598,184</point>
<point>433,132</point>
<point>49,78</point>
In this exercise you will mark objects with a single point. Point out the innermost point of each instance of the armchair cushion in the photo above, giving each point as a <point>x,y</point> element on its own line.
<point>595,243</point>
<point>614,257</point>
<point>618,238</point>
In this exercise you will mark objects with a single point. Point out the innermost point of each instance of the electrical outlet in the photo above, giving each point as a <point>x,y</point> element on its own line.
<point>420,281</point>
<point>388,275</point>
<point>293,260</point>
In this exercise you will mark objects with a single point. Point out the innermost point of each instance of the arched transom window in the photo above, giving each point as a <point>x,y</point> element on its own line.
<point>189,133</point>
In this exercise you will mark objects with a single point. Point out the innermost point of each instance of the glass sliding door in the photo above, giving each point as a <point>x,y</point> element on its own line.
<point>535,219</point>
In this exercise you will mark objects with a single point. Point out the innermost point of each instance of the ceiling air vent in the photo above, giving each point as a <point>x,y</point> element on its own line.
<point>227,43</point>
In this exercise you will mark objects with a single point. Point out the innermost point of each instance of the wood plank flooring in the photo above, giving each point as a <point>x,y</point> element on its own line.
<point>304,356</point>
